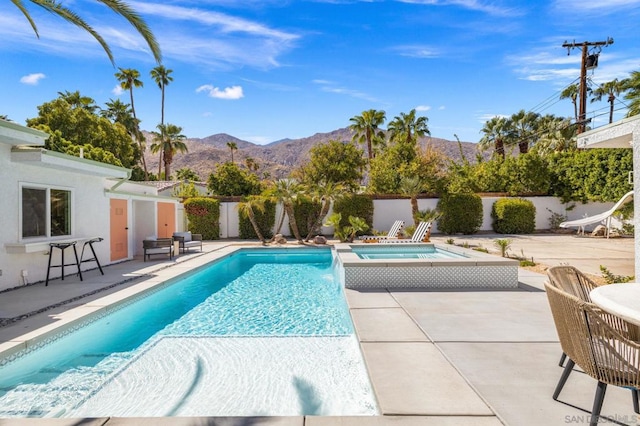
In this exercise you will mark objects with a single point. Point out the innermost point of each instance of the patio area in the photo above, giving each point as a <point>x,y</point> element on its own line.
<point>434,357</point>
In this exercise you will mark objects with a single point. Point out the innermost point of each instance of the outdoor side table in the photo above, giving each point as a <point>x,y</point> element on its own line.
<point>62,247</point>
<point>95,257</point>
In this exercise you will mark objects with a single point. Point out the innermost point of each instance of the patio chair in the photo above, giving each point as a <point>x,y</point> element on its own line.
<point>188,240</point>
<point>393,233</point>
<point>153,246</point>
<point>601,344</point>
<point>418,236</point>
<point>574,282</point>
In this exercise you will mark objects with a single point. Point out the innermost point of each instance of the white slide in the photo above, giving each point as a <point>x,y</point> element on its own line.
<point>602,217</point>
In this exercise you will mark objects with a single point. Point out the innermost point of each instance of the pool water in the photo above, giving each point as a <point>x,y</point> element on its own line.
<point>254,334</point>
<point>400,251</point>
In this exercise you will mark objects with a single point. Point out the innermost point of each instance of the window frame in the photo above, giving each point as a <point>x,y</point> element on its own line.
<point>47,189</point>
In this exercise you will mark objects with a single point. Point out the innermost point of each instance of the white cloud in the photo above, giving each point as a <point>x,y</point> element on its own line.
<point>330,87</point>
<point>32,79</point>
<point>233,92</point>
<point>423,108</point>
<point>441,108</point>
<point>417,51</point>
<point>476,5</point>
<point>259,140</point>
<point>600,6</point>
<point>117,90</point>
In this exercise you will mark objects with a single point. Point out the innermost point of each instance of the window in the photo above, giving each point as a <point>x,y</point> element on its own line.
<point>46,212</point>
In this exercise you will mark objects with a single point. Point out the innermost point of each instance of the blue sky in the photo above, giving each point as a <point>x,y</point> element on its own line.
<point>272,69</point>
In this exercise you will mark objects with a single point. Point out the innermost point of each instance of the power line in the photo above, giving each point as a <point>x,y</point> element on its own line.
<point>587,62</point>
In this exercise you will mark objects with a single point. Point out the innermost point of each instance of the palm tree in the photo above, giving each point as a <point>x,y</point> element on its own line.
<point>76,100</point>
<point>119,7</point>
<point>632,87</point>
<point>251,164</point>
<point>168,141</point>
<point>497,132</point>
<point>365,128</point>
<point>525,129</point>
<point>412,186</point>
<point>611,88</point>
<point>326,193</point>
<point>247,209</point>
<point>162,77</point>
<point>408,127</point>
<point>556,135</point>
<point>571,92</point>
<point>186,173</point>
<point>233,147</point>
<point>286,191</point>
<point>130,78</point>
<point>119,112</point>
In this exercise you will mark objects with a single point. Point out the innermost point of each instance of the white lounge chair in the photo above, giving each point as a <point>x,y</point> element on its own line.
<point>417,237</point>
<point>602,217</point>
<point>393,233</point>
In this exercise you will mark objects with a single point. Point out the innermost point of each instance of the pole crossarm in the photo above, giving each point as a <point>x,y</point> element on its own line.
<point>583,74</point>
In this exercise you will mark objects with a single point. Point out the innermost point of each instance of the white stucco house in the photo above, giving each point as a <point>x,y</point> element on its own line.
<point>50,197</point>
<point>621,134</point>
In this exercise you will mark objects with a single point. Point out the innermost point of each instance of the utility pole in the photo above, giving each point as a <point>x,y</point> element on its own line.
<point>582,117</point>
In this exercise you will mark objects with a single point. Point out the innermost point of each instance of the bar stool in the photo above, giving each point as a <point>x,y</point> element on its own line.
<point>94,258</point>
<point>62,247</point>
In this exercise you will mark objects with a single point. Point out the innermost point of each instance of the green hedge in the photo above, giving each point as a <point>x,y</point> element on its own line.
<point>513,216</point>
<point>204,217</point>
<point>461,213</point>
<point>306,212</point>
<point>356,205</point>
<point>265,220</point>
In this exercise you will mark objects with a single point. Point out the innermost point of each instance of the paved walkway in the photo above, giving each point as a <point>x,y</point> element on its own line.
<point>434,357</point>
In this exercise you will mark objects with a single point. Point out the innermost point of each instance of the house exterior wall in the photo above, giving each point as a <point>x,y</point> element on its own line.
<point>636,196</point>
<point>89,206</point>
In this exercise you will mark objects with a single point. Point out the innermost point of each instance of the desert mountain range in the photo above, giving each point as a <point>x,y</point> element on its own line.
<point>277,158</point>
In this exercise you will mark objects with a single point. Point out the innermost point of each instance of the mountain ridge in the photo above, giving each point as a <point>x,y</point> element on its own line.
<point>277,159</point>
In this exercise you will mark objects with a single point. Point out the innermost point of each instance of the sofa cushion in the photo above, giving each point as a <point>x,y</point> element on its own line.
<point>186,235</point>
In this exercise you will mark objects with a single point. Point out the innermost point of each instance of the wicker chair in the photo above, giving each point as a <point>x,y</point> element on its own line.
<point>601,344</point>
<point>572,281</point>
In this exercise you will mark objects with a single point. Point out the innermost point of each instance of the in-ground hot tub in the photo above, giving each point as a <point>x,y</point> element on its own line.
<point>423,266</point>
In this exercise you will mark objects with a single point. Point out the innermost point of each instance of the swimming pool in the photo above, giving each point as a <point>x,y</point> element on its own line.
<point>262,332</point>
<point>422,265</point>
<point>422,251</point>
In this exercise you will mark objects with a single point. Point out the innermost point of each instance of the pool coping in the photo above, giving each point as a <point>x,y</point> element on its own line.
<point>474,270</point>
<point>75,318</point>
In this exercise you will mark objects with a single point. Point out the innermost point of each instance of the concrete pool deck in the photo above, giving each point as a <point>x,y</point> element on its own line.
<point>439,357</point>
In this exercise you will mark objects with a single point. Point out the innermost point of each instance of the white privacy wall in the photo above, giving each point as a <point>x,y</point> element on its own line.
<point>387,211</point>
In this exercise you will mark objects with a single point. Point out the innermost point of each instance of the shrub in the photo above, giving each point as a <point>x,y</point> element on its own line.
<point>265,220</point>
<point>346,233</point>
<point>461,213</point>
<point>204,217</point>
<point>513,216</point>
<point>356,205</point>
<point>306,212</point>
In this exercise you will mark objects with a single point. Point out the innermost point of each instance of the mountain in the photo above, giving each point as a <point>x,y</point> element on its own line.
<point>278,158</point>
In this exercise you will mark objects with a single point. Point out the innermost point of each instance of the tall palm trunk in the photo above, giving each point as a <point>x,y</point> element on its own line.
<point>414,209</point>
<point>168,159</point>
<point>499,147</point>
<point>318,222</point>
<point>138,135</point>
<point>280,223</point>
<point>523,147</point>
<point>256,228</point>
<point>160,160</point>
<point>612,99</point>
<point>292,221</point>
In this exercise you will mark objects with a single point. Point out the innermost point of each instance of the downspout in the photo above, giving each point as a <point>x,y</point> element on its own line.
<point>121,181</point>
